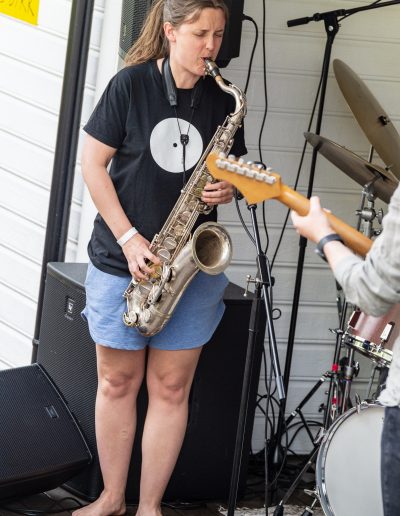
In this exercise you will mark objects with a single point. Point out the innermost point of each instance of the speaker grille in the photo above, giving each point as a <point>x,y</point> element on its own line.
<point>68,354</point>
<point>39,438</point>
<point>133,15</point>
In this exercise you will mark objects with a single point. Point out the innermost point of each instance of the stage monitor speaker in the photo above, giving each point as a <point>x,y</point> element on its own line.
<point>134,13</point>
<point>41,446</point>
<point>204,467</point>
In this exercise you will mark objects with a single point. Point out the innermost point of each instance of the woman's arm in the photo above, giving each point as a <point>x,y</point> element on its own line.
<point>96,157</point>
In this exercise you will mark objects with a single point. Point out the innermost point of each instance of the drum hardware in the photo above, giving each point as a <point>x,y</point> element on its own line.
<point>372,336</point>
<point>316,440</point>
<point>371,380</point>
<point>309,509</point>
<point>349,369</point>
<point>358,402</point>
<point>367,214</point>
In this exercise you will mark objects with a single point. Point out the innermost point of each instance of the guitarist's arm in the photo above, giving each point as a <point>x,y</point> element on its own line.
<point>315,226</point>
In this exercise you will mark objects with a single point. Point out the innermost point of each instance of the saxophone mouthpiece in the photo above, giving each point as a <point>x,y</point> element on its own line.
<point>211,68</point>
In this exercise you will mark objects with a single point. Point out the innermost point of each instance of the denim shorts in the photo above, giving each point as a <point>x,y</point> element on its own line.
<point>192,324</point>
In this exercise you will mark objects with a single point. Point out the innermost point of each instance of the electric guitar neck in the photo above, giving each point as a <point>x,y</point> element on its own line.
<point>257,184</point>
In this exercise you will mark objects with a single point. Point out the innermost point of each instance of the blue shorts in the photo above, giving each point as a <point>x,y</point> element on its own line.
<point>192,324</point>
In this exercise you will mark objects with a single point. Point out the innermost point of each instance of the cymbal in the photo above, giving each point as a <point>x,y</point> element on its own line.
<point>370,115</point>
<point>355,167</point>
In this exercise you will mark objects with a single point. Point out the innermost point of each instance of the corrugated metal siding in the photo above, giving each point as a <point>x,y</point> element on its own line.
<point>369,42</point>
<point>31,74</point>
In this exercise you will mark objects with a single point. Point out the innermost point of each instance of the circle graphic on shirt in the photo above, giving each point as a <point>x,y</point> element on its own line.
<point>166,147</point>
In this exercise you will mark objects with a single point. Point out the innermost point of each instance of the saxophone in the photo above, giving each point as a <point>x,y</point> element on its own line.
<point>150,302</point>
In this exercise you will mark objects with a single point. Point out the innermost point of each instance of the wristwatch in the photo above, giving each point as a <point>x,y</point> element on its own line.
<point>328,238</point>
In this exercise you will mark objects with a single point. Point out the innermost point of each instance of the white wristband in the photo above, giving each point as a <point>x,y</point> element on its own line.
<point>127,236</point>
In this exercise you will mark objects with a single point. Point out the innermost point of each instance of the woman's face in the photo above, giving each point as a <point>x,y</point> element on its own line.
<point>190,43</point>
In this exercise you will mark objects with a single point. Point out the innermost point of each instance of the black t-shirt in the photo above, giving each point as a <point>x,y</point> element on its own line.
<point>135,117</point>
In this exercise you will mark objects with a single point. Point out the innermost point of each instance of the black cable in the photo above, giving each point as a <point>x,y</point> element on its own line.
<point>264,208</point>
<point>347,15</point>
<point>249,18</point>
<point>265,86</point>
<point>299,168</point>
<point>243,222</point>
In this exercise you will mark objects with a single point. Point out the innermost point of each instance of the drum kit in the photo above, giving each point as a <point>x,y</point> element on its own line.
<point>347,451</point>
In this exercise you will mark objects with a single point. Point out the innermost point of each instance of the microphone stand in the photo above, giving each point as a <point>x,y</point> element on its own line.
<point>261,287</point>
<point>331,23</point>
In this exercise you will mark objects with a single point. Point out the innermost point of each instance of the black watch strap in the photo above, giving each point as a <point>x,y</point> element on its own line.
<point>328,238</point>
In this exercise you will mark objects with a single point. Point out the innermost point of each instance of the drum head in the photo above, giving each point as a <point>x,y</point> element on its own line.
<point>348,464</point>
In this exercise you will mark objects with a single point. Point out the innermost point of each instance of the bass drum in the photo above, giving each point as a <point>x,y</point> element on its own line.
<point>348,470</point>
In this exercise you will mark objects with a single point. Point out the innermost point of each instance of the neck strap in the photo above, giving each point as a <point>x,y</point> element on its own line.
<point>170,90</point>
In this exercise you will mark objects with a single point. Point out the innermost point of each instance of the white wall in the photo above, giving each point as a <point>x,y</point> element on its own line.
<point>31,73</point>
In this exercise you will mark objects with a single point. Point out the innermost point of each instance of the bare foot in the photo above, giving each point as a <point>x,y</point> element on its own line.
<point>105,505</point>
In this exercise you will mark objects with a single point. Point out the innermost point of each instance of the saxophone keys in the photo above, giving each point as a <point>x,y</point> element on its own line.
<point>146,315</point>
<point>183,218</point>
<point>170,243</point>
<point>179,230</point>
<point>130,318</point>
<point>164,254</point>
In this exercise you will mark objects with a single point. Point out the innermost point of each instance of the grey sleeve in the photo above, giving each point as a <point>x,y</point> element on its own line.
<point>374,284</point>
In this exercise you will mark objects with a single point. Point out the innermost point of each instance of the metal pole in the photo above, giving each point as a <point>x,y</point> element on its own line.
<point>66,146</point>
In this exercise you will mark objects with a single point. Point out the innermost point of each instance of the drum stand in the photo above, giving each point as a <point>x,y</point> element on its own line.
<point>331,411</point>
<point>337,399</point>
<point>343,369</point>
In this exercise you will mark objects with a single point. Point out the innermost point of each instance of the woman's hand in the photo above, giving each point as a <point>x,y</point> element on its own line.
<point>217,193</point>
<point>137,252</point>
<point>315,225</point>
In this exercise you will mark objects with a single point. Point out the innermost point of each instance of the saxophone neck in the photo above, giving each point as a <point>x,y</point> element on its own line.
<point>212,69</point>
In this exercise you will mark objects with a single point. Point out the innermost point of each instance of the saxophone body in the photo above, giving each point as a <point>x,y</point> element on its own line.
<point>151,302</point>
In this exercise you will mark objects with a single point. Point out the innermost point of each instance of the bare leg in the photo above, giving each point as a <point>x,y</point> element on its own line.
<point>169,378</point>
<point>120,375</point>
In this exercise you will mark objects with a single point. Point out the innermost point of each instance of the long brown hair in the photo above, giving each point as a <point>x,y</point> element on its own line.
<point>152,43</point>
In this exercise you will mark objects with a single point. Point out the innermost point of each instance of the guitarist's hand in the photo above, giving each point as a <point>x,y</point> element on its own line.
<point>315,225</point>
<point>217,193</point>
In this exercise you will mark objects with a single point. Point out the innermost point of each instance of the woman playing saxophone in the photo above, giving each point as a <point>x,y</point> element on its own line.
<point>152,142</point>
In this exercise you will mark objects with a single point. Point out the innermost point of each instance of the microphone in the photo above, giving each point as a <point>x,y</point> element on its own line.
<point>316,17</point>
<point>299,21</point>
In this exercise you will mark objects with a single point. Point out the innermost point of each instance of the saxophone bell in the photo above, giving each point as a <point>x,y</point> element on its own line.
<point>211,248</point>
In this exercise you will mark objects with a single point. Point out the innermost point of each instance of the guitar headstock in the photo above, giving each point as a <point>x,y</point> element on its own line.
<point>254,182</point>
